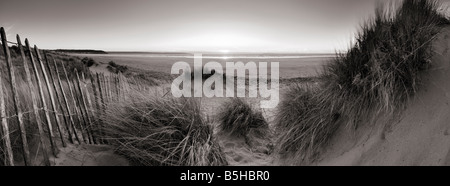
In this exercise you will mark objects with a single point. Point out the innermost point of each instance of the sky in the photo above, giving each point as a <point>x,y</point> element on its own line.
<point>307,26</point>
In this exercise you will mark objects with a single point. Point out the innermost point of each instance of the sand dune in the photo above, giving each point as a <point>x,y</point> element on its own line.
<point>418,136</point>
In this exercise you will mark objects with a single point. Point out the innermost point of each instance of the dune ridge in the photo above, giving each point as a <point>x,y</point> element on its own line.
<point>419,135</point>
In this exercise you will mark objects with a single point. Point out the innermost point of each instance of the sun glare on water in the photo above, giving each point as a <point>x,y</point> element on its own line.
<point>225,52</point>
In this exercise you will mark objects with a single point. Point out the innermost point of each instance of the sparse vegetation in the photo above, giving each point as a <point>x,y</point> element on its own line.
<point>162,131</point>
<point>238,119</point>
<point>88,61</point>
<point>147,77</point>
<point>115,68</point>
<point>299,100</point>
<point>376,76</point>
<point>305,121</point>
<point>70,62</point>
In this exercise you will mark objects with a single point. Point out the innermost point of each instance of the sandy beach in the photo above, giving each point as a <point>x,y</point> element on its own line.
<point>225,83</point>
<point>291,65</point>
<point>423,123</point>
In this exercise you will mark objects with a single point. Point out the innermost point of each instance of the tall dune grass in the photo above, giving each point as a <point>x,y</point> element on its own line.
<point>239,119</point>
<point>382,69</point>
<point>304,122</point>
<point>151,130</point>
<point>376,76</point>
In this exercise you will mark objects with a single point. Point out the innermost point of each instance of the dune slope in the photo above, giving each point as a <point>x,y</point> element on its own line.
<point>419,135</point>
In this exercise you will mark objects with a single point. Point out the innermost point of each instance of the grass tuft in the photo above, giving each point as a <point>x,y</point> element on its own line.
<point>238,119</point>
<point>162,131</point>
<point>304,122</point>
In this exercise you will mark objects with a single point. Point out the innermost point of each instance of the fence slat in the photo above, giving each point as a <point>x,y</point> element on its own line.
<point>66,124</point>
<point>35,105</point>
<point>69,84</point>
<point>12,78</point>
<point>41,94</point>
<point>113,87</point>
<point>127,86</point>
<point>9,161</point>
<point>84,109</point>
<point>136,84</point>
<point>91,108</point>
<point>122,86</point>
<point>98,108</point>
<point>69,112</point>
<point>103,105</point>
<point>43,101</point>
<point>117,87</point>
<point>110,87</point>
<point>103,86</point>
<point>83,121</point>
<point>50,93</point>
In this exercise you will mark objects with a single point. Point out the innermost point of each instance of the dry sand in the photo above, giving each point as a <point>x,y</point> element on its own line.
<point>88,155</point>
<point>418,136</point>
<point>237,151</point>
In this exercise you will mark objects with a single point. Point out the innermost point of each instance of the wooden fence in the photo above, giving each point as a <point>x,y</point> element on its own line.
<point>64,110</point>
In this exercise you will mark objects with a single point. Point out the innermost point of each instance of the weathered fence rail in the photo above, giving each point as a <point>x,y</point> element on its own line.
<point>76,103</point>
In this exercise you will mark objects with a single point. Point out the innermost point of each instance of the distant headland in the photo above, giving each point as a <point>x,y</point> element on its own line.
<point>82,51</point>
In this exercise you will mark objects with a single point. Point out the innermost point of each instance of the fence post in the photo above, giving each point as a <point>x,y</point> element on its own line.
<point>41,94</point>
<point>44,103</point>
<point>91,109</point>
<point>59,100</point>
<point>52,100</point>
<point>107,90</point>
<point>74,104</point>
<point>11,70</point>
<point>97,105</point>
<point>83,121</point>
<point>118,87</point>
<point>108,80</point>
<point>104,91</point>
<point>122,87</point>
<point>133,83</point>
<point>9,160</point>
<point>66,102</point>
<point>137,84</point>
<point>50,93</point>
<point>127,86</point>
<point>113,86</point>
<point>84,109</point>
<point>102,99</point>
<point>34,102</point>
